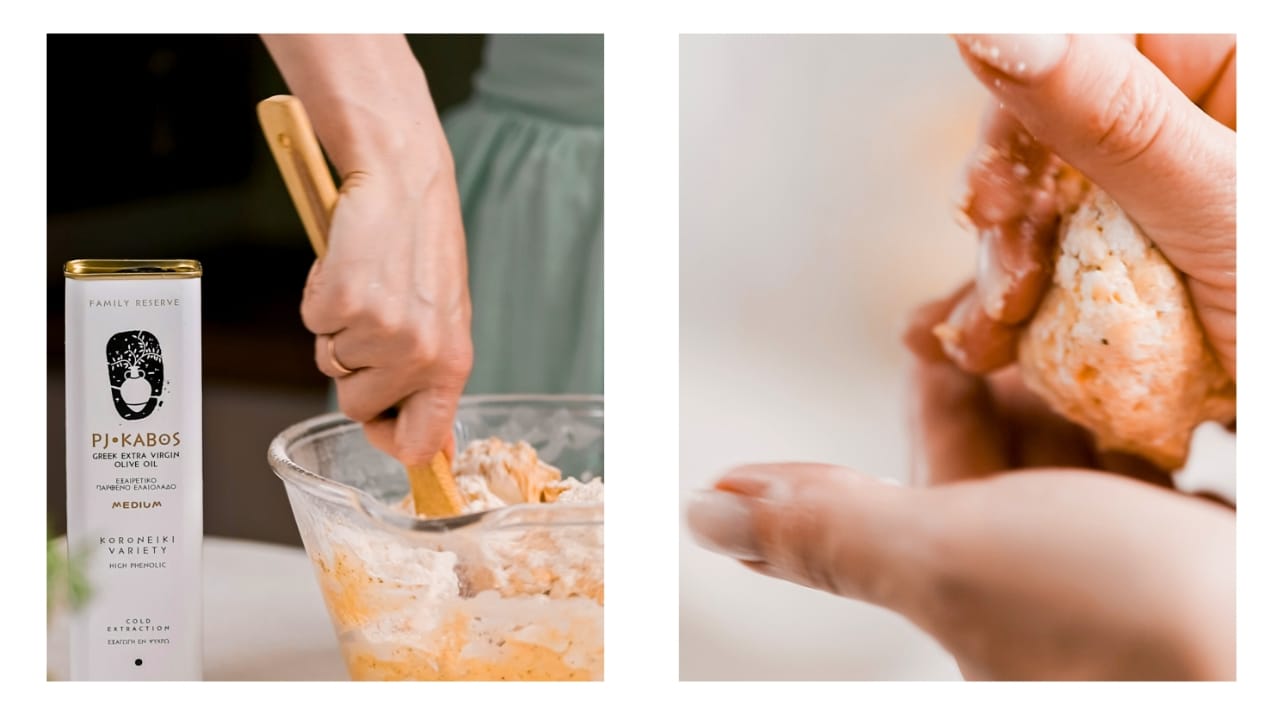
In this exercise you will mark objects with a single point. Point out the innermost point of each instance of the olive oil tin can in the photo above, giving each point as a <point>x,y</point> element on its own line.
<point>134,478</point>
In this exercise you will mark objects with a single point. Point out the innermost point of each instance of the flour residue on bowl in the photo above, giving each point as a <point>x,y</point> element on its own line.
<point>521,603</point>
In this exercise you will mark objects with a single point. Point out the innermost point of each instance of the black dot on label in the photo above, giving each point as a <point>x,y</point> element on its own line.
<point>137,661</point>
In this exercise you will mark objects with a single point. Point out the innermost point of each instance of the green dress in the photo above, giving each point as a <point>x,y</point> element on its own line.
<point>529,151</point>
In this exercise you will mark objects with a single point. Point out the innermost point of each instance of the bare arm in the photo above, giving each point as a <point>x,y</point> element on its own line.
<point>367,97</point>
<point>390,300</point>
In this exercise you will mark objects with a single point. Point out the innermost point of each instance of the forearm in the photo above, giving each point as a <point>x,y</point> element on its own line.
<point>368,100</point>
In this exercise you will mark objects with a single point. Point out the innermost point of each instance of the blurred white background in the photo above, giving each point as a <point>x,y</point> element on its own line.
<point>817,184</point>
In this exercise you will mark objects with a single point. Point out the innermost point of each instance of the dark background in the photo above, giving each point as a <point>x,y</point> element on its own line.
<point>155,152</point>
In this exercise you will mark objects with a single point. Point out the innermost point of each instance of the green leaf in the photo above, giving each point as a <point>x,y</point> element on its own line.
<point>67,580</point>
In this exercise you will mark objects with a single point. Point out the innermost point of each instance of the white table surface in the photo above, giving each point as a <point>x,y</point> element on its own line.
<point>264,618</point>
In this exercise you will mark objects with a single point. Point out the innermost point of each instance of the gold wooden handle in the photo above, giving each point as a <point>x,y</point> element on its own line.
<point>297,152</point>
<point>434,489</point>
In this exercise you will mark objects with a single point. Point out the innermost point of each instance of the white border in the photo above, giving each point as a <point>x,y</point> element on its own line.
<point>641,366</point>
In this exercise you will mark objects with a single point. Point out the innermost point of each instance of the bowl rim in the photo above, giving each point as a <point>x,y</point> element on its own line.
<point>511,517</point>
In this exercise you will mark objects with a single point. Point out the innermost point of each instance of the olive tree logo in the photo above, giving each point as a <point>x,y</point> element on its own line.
<point>136,371</point>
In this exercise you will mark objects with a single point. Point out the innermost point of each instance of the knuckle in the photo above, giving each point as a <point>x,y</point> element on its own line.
<point>385,319</point>
<point>375,314</point>
<point>798,536</point>
<point>458,362</point>
<point>821,550</point>
<point>815,564</point>
<point>345,303</point>
<point>424,348</point>
<point>353,407</point>
<point>312,315</point>
<point>1131,120</point>
<point>323,311</point>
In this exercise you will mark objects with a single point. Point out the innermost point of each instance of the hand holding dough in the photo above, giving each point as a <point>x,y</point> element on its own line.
<point>1123,321</point>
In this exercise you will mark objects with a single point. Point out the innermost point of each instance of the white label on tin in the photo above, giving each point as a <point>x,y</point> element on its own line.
<point>134,476</point>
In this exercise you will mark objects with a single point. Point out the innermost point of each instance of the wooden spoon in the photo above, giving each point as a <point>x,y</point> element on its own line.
<point>297,153</point>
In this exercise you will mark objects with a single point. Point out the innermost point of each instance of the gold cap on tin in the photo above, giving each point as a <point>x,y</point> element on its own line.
<point>132,269</point>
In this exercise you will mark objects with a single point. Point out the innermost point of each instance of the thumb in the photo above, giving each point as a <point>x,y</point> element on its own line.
<point>823,526</point>
<point>1105,108</point>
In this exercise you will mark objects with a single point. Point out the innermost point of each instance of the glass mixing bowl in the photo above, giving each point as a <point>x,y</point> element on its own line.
<point>515,593</point>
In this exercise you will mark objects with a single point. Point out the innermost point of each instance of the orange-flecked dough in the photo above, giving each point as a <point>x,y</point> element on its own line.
<point>518,603</point>
<point>1115,345</point>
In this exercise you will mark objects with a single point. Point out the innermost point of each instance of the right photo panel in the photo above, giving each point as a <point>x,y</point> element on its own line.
<point>957,357</point>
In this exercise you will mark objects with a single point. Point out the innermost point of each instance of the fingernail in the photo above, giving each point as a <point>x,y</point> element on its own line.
<point>762,482</point>
<point>722,522</point>
<point>1020,57</point>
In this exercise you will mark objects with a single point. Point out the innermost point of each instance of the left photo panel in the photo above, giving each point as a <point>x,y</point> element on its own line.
<point>325,357</point>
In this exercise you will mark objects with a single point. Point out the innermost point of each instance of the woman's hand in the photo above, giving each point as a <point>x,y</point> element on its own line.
<point>1060,572</point>
<point>1151,120</point>
<point>389,301</point>
<point>1034,574</point>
